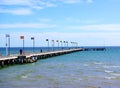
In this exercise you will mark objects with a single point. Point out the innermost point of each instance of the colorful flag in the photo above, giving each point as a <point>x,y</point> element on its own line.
<point>32,38</point>
<point>21,37</point>
<point>7,35</point>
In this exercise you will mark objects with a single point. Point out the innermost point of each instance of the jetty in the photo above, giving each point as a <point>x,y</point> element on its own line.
<point>94,49</point>
<point>33,57</point>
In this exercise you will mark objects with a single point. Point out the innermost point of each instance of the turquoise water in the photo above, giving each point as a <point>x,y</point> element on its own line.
<point>85,69</point>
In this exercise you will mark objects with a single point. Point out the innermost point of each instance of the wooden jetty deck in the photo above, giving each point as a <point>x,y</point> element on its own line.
<point>30,58</point>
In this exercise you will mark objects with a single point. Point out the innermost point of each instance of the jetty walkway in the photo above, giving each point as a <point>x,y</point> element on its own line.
<point>33,57</point>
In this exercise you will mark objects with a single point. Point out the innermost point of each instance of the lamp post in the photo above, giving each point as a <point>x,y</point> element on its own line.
<point>32,38</point>
<point>47,44</point>
<point>71,44</point>
<point>76,45</point>
<point>61,45</point>
<point>52,45</point>
<point>22,37</point>
<point>64,44</point>
<point>58,43</point>
<point>7,44</point>
<point>67,43</point>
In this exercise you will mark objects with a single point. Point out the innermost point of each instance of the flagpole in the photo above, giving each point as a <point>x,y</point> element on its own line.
<point>47,40</point>
<point>9,45</point>
<point>34,45</point>
<point>6,46</point>
<point>58,43</point>
<point>48,45</point>
<point>61,45</point>
<point>52,45</point>
<point>32,38</point>
<point>22,37</point>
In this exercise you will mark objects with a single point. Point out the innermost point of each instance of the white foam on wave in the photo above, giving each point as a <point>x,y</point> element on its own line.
<point>85,65</point>
<point>111,77</point>
<point>24,77</point>
<point>107,66</point>
<point>97,63</point>
<point>108,71</point>
<point>79,79</point>
<point>116,66</point>
<point>115,74</point>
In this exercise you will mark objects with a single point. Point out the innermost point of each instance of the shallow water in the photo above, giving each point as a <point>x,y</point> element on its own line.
<point>86,69</point>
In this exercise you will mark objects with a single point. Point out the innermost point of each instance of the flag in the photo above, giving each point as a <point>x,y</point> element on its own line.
<point>21,37</point>
<point>7,35</point>
<point>32,38</point>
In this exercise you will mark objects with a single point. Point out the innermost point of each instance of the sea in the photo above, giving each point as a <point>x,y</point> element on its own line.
<point>28,50</point>
<point>83,69</point>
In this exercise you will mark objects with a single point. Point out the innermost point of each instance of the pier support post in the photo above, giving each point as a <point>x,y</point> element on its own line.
<point>21,59</point>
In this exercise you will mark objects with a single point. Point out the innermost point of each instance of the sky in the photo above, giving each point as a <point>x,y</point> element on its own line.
<point>88,22</point>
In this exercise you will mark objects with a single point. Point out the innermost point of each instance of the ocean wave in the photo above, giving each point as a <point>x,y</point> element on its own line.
<point>97,63</point>
<point>92,64</point>
<point>111,77</point>
<point>24,76</point>
<point>86,65</point>
<point>106,66</point>
<point>115,74</point>
<point>108,71</point>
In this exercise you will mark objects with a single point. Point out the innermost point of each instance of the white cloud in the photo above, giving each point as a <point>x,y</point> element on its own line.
<point>14,2</point>
<point>84,39</point>
<point>90,1</point>
<point>37,7</point>
<point>32,4</point>
<point>71,19</point>
<point>75,1</point>
<point>103,27</point>
<point>26,25</point>
<point>87,39</point>
<point>41,4</point>
<point>20,11</point>
<point>24,7</point>
<point>37,4</point>
<point>44,20</point>
<point>49,4</point>
<point>81,21</point>
<point>92,21</point>
<point>70,1</point>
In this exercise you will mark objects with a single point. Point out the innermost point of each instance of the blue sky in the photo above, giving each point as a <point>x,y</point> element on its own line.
<point>88,22</point>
